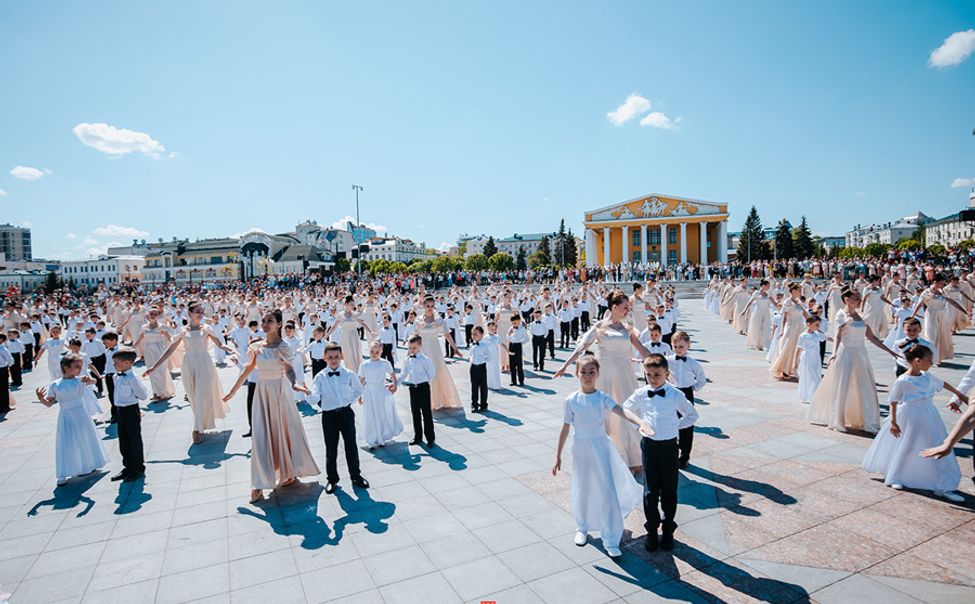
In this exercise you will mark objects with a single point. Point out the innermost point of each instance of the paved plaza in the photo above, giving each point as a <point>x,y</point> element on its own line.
<point>772,509</point>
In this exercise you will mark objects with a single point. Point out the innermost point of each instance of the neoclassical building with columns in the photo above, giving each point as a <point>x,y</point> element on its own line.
<point>657,228</point>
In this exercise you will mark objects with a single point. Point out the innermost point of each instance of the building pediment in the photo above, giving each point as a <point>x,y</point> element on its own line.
<point>656,206</point>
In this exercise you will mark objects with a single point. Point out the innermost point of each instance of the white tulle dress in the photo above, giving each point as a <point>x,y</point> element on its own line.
<point>603,490</point>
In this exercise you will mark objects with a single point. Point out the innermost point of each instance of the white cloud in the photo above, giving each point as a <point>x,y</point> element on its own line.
<point>444,247</point>
<point>342,223</point>
<point>658,119</point>
<point>633,106</point>
<point>70,236</point>
<point>114,230</point>
<point>956,48</point>
<point>117,142</point>
<point>26,173</point>
<point>962,182</point>
<point>2,193</point>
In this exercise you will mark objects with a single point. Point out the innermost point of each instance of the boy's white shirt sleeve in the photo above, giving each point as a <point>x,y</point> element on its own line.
<point>689,414</point>
<point>315,397</point>
<point>966,383</point>
<point>138,388</point>
<point>699,378</point>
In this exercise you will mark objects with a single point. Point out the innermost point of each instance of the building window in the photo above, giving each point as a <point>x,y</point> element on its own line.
<point>672,257</point>
<point>655,237</point>
<point>636,238</point>
<point>672,235</point>
<point>637,256</point>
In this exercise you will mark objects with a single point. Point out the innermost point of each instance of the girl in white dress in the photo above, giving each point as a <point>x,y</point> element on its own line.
<point>54,346</point>
<point>198,371</point>
<point>493,343</point>
<point>773,346</point>
<point>298,358</point>
<point>809,363</point>
<point>78,450</point>
<point>603,490</point>
<point>381,422</point>
<point>913,425</point>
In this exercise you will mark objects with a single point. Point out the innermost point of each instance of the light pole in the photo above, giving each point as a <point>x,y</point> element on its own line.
<point>358,252</point>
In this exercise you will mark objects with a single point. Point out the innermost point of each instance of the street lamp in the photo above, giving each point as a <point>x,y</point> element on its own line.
<point>358,256</point>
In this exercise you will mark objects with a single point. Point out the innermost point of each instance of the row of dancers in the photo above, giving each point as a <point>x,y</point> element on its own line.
<point>845,397</point>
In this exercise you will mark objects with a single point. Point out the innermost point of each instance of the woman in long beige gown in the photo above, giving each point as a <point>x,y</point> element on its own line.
<point>280,453</point>
<point>937,326</point>
<point>429,325</point>
<point>740,298</point>
<point>847,396</point>
<point>875,308</point>
<point>199,373</point>
<point>615,339</point>
<point>793,321</point>
<point>154,341</point>
<point>759,313</point>
<point>348,321</point>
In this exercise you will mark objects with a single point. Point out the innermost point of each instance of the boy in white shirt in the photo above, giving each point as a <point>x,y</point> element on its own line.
<point>418,372</point>
<point>667,411</point>
<point>335,390</point>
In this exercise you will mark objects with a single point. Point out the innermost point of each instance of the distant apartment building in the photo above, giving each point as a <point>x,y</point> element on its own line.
<point>15,242</point>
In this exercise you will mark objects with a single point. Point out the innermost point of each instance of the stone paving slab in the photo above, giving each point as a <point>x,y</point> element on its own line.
<point>771,509</point>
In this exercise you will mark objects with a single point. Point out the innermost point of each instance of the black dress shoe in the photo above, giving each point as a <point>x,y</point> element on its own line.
<point>330,487</point>
<point>248,435</point>
<point>667,542</point>
<point>360,482</point>
<point>121,475</point>
<point>432,443</point>
<point>651,543</point>
<point>416,441</point>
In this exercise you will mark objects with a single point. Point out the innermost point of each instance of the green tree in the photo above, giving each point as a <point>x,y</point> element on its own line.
<point>878,250</point>
<point>342,265</point>
<point>521,259</point>
<point>751,244</point>
<point>52,283</point>
<point>490,248</point>
<point>462,249</point>
<point>909,245</point>
<point>397,267</point>
<point>937,250</point>
<point>443,264</point>
<point>802,242</point>
<point>543,255</point>
<point>783,240</point>
<point>476,262</point>
<point>571,252</point>
<point>561,252</point>
<point>501,262</point>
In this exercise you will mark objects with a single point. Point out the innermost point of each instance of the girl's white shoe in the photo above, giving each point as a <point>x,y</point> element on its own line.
<point>950,496</point>
<point>581,538</point>
<point>613,552</point>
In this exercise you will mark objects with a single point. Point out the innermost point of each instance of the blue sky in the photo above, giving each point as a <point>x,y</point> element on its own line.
<point>473,117</point>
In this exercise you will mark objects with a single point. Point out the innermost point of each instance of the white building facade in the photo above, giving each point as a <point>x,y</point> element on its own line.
<point>395,249</point>
<point>108,270</point>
